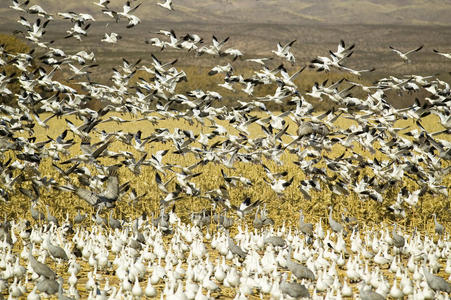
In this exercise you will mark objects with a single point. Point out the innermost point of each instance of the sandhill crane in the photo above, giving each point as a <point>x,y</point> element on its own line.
<point>40,268</point>
<point>334,225</point>
<point>436,283</point>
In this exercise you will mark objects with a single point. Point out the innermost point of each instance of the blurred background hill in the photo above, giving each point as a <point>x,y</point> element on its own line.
<point>402,12</point>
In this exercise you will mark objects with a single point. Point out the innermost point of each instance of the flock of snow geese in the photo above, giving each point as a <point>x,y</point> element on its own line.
<point>166,257</point>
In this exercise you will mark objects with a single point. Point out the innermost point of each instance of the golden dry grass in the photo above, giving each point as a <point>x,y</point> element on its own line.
<point>284,210</point>
<point>369,211</point>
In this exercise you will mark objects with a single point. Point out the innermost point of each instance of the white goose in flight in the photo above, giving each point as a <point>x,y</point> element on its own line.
<point>75,17</point>
<point>447,55</point>
<point>167,5</point>
<point>283,50</point>
<point>342,51</point>
<point>217,44</point>
<point>127,9</point>
<point>19,6</point>
<point>112,38</point>
<point>102,3</point>
<point>357,72</point>
<point>403,55</point>
<point>190,41</point>
<point>38,10</point>
<point>127,12</point>
<point>235,53</point>
<point>259,60</point>
<point>77,31</point>
<point>36,31</point>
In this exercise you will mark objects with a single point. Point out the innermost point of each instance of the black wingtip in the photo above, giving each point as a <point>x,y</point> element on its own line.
<point>157,178</point>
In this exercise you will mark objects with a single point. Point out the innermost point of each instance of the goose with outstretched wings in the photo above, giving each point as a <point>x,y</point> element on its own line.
<point>105,199</point>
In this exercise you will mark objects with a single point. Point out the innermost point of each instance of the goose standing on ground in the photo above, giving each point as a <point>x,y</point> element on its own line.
<point>266,220</point>
<point>275,240</point>
<point>263,220</point>
<point>258,224</point>
<point>5,232</point>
